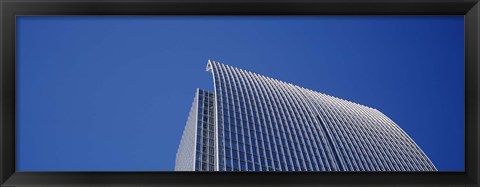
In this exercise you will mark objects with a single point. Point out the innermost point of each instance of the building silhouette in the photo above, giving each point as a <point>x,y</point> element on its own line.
<point>255,123</point>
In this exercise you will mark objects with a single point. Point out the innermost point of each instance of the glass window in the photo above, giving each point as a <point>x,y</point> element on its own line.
<point>229,163</point>
<point>235,163</point>
<point>262,161</point>
<point>243,165</point>
<point>242,156</point>
<point>250,166</point>
<point>247,150</point>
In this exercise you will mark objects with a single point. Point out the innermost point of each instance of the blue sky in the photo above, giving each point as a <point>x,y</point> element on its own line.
<point>112,93</point>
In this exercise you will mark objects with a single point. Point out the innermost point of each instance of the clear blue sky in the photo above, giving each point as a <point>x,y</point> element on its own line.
<point>113,93</point>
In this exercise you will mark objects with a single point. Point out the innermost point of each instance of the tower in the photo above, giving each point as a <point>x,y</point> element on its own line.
<point>252,122</point>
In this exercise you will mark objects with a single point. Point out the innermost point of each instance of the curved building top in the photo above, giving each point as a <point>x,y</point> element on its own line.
<point>263,124</point>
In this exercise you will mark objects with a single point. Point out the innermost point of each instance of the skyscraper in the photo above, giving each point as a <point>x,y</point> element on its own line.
<point>255,123</point>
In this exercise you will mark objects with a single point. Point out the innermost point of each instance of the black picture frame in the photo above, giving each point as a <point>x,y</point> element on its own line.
<point>9,9</point>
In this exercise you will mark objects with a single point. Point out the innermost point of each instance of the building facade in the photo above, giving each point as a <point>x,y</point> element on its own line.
<point>252,122</point>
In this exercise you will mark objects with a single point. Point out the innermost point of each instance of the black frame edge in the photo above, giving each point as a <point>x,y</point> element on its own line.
<point>472,68</point>
<point>452,179</point>
<point>239,7</point>
<point>10,8</point>
<point>7,95</point>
